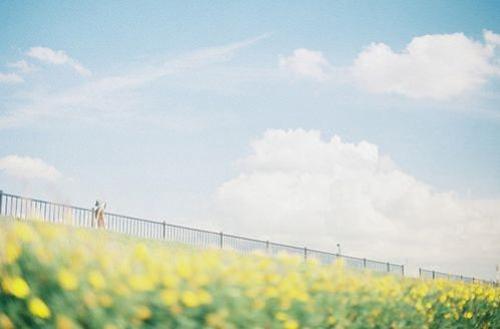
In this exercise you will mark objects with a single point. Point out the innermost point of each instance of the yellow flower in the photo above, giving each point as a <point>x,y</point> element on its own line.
<point>170,281</point>
<point>16,286</point>
<point>190,299</point>
<point>200,280</point>
<point>217,319</point>
<point>141,283</point>
<point>281,316</point>
<point>121,289</point>
<point>42,255</point>
<point>96,279</point>
<point>90,299</point>
<point>184,268</point>
<point>271,292</point>
<point>12,252</point>
<point>141,252</point>
<point>24,232</point>
<point>331,320</point>
<point>258,304</point>
<point>287,287</point>
<point>67,280</point>
<point>105,300</point>
<point>38,308</point>
<point>205,297</point>
<point>110,326</point>
<point>143,313</point>
<point>64,322</point>
<point>169,297</point>
<point>5,322</point>
<point>290,324</point>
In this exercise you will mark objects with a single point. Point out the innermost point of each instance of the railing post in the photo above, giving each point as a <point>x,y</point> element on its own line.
<point>433,275</point>
<point>419,272</point>
<point>403,270</point>
<point>55,212</point>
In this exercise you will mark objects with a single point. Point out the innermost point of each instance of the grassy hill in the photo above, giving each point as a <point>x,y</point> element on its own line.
<point>62,277</point>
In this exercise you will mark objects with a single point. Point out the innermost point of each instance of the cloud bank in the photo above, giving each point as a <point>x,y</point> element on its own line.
<point>434,66</point>
<point>57,57</point>
<point>10,78</point>
<point>296,187</point>
<point>306,63</point>
<point>110,96</point>
<point>23,66</point>
<point>27,168</point>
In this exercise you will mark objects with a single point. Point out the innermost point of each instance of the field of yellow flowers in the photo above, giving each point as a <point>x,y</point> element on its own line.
<point>62,277</point>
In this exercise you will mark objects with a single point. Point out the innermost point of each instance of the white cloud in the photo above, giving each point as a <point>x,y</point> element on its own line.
<point>112,97</point>
<point>436,66</point>
<point>297,188</point>
<point>306,63</point>
<point>23,66</point>
<point>57,57</point>
<point>27,168</point>
<point>10,78</point>
<point>491,38</point>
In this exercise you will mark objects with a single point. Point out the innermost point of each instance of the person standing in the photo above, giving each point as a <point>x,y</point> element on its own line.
<point>98,214</point>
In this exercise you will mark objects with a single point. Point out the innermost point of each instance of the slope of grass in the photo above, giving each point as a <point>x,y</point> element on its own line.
<point>57,276</point>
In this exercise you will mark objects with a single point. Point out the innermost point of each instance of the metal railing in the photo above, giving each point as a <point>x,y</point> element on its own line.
<point>433,275</point>
<point>24,208</point>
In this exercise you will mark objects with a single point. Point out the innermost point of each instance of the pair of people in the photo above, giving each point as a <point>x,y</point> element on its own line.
<point>98,214</point>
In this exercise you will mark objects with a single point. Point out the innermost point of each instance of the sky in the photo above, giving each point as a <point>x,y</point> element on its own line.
<point>371,124</point>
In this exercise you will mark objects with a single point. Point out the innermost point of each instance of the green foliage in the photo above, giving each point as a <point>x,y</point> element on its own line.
<point>58,276</point>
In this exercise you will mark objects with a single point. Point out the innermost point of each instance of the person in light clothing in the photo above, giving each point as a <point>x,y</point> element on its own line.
<point>98,214</point>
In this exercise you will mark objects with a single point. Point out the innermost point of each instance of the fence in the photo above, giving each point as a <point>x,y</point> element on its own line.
<point>430,274</point>
<point>23,208</point>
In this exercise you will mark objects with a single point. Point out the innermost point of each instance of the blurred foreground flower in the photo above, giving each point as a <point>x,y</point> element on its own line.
<point>61,277</point>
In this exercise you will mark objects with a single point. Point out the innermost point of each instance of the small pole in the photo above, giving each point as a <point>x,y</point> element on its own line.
<point>433,275</point>
<point>305,253</point>
<point>1,199</point>
<point>221,240</point>
<point>388,267</point>
<point>267,246</point>
<point>419,272</point>
<point>403,270</point>
<point>164,229</point>
<point>364,262</point>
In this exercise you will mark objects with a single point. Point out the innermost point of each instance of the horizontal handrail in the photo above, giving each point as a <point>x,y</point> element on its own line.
<point>57,212</point>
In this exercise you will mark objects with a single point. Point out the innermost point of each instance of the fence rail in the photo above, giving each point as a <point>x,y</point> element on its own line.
<point>23,208</point>
<point>431,274</point>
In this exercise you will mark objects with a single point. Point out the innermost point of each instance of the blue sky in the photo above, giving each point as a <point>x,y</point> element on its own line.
<point>154,106</point>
